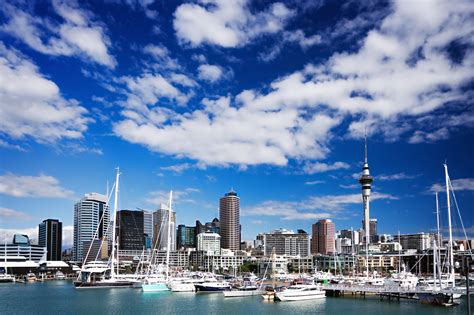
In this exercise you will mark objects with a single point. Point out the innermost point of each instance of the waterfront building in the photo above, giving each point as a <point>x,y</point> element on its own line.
<point>366,183</point>
<point>186,237</point>
<point>334,262</point>
<point>21,249</point>
<point>148,227</point>
<point>130,230</point>
<point>273,265</point>
<point>160,228</point>
<point>418,241</point>
<point>343,243</point>
<point>286,242</point>
<point>323,237</point>
<point>91,215</point>
<point>227,260</point>
<point>50,233</point>
<point>209,242</point>
<point>300,264</point>
<point>229,217</point>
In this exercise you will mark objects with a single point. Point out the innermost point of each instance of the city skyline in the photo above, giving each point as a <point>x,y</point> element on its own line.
<point>275,108</point>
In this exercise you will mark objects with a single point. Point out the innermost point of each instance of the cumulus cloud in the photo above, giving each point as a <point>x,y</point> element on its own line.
<point>32,106</point>
<point>401,71</point>
<point>161,54</point>
<point>33,186</point>
<point>210,73</point>
<point>77,35</point>
<point>227,23</point>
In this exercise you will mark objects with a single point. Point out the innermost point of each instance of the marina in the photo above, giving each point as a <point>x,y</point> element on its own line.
<point>61,297</point>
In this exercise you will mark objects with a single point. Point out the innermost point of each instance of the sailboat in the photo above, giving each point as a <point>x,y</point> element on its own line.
<point>157,282</point>
<point>96,274</point>
<point>5,277</point>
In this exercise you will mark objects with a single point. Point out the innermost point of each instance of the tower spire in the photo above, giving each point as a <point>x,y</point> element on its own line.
<point>365,147</point>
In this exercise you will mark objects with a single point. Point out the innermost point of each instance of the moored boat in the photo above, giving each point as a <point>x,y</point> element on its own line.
<point>301,292</point>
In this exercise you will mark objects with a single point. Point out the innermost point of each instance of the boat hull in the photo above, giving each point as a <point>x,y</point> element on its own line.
<point>102,285</point>
<point>434,298</point>
<point>210,289</point>
<point>154,287</point>
<point>241,293</point>
<point>300,297</point>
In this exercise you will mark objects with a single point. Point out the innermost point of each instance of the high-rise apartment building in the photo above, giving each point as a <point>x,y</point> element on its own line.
<point>130,230</point>
<point>323,237</point>
<point>209,242</point>
<point>229,217</point>
<point>160,228</point>
<point>91,215</point>
<point>286,242</point>
<point>50,233</point>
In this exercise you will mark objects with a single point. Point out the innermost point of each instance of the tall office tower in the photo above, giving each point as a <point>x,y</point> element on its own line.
<point>323,237</point>
<point>229,217</point>
<point>148,227</point>
<point>50,233</point>
<point>88,213</point>
<point>209,242</point>
<point>186,236</point>
<point>365,181</point>
<point>160,228</point>
<point>130,232</point>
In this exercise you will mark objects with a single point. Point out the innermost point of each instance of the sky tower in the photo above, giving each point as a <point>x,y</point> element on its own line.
<point>365,181</point>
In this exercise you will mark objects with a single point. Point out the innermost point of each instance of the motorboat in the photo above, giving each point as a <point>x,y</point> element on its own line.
<point>185,285</point>
<point>213,286</point>
<point>59,275</point>
<point>154,283</point>
<point>301,292</point>
<point>5,277</point>
<point>247,289</point>
<point>30,277</point>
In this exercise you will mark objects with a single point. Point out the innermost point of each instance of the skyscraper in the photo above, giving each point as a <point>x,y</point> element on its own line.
<point>50,233</point>
<point>160,228</point>
<point>229,217</point>
<point>88,213</point>
<point>130,232</point>
<point>323,237</point>
<point>365,181</point>
<point>148,227</point>
<point>186,236</point>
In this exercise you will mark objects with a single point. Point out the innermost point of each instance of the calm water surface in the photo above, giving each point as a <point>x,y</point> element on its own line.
<point>59,297</point>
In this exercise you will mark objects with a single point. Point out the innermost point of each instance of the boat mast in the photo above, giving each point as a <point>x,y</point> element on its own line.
<point>439,242</point>
<point>435,249</point>
<point>451,258</point>
<point>399,254</point>
<point>115,224</point>
<point>168,238</point>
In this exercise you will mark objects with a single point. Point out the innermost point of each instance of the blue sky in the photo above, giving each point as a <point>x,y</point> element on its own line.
<point>269,98</point>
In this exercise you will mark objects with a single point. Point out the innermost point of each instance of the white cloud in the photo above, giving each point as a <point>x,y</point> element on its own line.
<point>313,208</point>
<point>182,80</point>
<point>227,23</point>
<point>162,55</point>
<point>32,186</point>
<point>315,182</point>
<point>401,71</point>
<point>458,185</point>
<point>177,168</point>
<point>318,167</point>
<point>78,35</point>
<point>210,73</point>
<point>423,136</point>
<point>398,176</point>
<point>159,197</point>
<point>7,213</point>
<point>147,89</point>
<point>32,106</point>
<point>6,235</point>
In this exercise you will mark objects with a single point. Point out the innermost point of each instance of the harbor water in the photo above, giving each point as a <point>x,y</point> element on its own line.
<point>60,297</point>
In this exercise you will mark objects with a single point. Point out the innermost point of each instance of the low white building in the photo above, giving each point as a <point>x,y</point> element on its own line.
<point>209,242</point>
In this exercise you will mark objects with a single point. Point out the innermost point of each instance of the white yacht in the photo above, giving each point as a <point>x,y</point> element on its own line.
<point>213,286</point>
<point>185,285</point>
<point>301,292</point>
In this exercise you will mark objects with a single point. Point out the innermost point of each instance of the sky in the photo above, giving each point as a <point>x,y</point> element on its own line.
<point>271,99</point>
